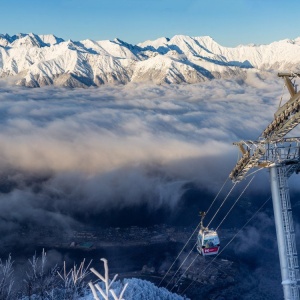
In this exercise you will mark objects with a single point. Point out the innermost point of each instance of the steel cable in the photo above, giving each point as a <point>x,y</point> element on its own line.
<point>225,245</point>
<point>182,264</point>
<point>235,202</point>
<point>222,203</point>
<point>192,235</point>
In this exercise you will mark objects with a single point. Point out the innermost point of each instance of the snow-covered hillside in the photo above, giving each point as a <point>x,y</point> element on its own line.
<point>139,289</point>
<point>38,60</point>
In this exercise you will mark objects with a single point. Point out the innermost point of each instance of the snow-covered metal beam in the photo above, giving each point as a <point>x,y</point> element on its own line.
<point>288,115</point>
<point>261,154</point>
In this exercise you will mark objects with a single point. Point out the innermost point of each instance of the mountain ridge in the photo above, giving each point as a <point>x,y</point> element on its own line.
<point>36,60</point>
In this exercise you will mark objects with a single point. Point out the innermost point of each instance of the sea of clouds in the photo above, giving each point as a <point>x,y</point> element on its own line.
<point>67,153</point>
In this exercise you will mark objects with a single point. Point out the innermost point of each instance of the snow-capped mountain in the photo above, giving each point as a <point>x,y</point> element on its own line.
<point>37,60</point>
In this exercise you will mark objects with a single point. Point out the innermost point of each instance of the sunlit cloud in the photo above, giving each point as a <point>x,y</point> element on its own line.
<point>119,146</point>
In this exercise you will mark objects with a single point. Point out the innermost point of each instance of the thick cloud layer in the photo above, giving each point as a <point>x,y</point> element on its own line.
<point>68,155</point>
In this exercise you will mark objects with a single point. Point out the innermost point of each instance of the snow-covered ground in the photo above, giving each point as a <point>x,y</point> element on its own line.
<point>139,289</point>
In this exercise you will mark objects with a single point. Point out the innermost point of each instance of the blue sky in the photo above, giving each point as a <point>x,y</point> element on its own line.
<point>229,22</point>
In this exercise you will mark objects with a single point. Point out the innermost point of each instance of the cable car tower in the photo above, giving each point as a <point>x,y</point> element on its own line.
<point>282,157</point>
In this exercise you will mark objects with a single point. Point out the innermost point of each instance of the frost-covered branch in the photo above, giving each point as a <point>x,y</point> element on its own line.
<point>107,284</point>
<point>40,278</point>
<point>6,278</point>
<point>73,280</point>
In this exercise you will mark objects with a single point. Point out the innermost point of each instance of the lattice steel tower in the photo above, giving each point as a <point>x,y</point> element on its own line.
<point>282,157</point>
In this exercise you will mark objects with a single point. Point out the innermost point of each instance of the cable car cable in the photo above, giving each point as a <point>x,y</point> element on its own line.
<point>226,244</point>
<point>281,96</point>
<point>207,226</point>
<point>217,195</point>
<point>229,242</point>
<point>182,264</point>
<point>185,271</point>
<point>178,255</point>
<point>214,247</point>
<point>254,172</point>
<point>222,203</point>
<point>192,234</point>
<point>235,202</point>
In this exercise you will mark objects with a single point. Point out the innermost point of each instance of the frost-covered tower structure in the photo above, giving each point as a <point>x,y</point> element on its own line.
<point>282,157</point>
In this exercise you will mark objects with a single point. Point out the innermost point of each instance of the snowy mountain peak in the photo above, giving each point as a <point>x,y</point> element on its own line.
<point>206,38</point>
<point>180,38</point>
<point>28,41</point>
<point>6,39</point>
<point>207,41</point>
<point>50,39</point>
<point>46,59</point>
<point>297,41</point>
<point>118,41</point>
<point>155,43</point>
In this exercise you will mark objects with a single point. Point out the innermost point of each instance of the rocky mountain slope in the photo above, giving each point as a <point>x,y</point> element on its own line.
<point>37,60</point>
